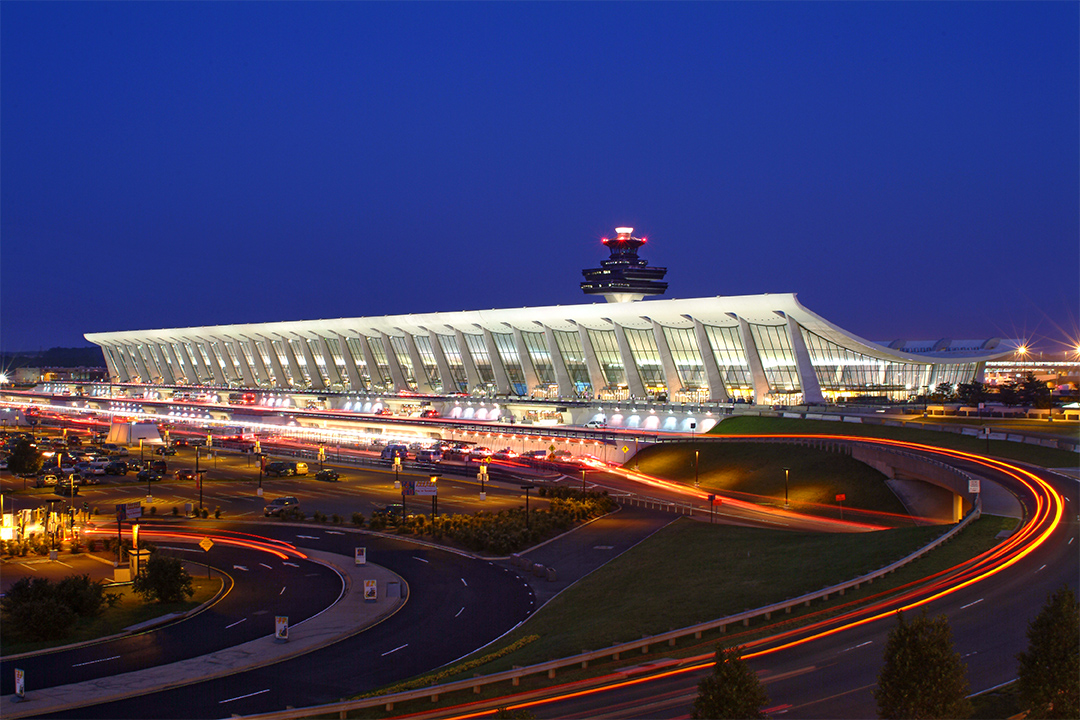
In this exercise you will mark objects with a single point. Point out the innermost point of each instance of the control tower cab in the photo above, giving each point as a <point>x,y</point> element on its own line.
<point>624,276</point>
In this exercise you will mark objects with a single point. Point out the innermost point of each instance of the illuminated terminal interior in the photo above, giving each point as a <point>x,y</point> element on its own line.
<point>764,349</point>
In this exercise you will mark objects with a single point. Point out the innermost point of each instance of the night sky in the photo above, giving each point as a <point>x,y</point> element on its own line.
<point>911,170</point>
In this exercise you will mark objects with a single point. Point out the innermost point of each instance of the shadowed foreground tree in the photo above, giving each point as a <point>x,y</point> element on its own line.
<point>1049,672</point>
<point>923,676</point>
<point>164,580</point>
<point>732,691</point>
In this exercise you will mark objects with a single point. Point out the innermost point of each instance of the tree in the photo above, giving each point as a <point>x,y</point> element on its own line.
<point>1034,392</point>
<point>1049,672</point>
<point>24,458</point>
<point>943,392</point>
<point>922,676</point>
<point>732,691</point>
<point>971,393</point>
<point>1008,393</point>
<point>164,579</point>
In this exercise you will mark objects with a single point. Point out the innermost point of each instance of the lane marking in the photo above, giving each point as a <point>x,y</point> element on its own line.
<point>309,537</point>
<point>266,566</point>
<point>419,558</point>
<point>1070,540</point>
<point>91,662</point>
<point>464,583</point>
<point>334,532</point>
<point>395,650</point>
<point>290,564</point>
<point>855,647</point>
<point>1040,568</point>
<point>236,623</point>
<point>460,611</point>
<point>240,567</point>
<point>965,607</point>
<point>241,697</point>
<point>973,652</point>
<point>282,590</point>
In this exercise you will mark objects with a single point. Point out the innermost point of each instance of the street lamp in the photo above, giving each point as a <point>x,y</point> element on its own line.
<point>697,454</point>
<point>527,488</point>
<point>786,472</point>
<point>583,482</point>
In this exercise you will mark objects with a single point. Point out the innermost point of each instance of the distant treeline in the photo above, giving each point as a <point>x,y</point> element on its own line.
<point>57,357</point>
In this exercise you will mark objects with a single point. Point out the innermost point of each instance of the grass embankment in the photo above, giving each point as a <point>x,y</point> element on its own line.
<point>1065,429</point>
<point>755,472</point>
<point>692,572</point>
<point>131,610</point>
<point>1022,452</point>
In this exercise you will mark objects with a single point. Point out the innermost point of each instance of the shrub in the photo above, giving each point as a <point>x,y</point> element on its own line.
<point>318,516</point>
<point>358,519</point>
<point>205,513</point>
<point>336,519</point>
<point>217,513</point>
<point>41,610</point>
<point>153,509</point>
<point>164,580</point>
<point>175,511</point>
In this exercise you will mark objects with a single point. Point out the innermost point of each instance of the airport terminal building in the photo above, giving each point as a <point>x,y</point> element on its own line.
<point>753,348</point>
<point>765,349</point>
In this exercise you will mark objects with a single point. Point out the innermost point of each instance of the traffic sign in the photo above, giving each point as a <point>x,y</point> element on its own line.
<point>973,486</point>
<point>841,498</point>
<point>206,543</point>
<point>281,627</point>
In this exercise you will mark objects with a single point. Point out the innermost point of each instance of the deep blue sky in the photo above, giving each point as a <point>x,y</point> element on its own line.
<point>909,169</point>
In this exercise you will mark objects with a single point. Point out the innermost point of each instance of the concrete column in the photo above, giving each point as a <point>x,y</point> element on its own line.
<point>471,374</point>
<point>329,363</point>
<point>423,384</point>
<point>228,366</point>
<point>140,365</point>
<point>396,372</point>
<point>215,366</point>
<point>203,374</point>
<point>317,382</point>
<point>958,508</point>
<point>527,367</point>
<point>449,385</point>
<point>633,375</point>
<point>116,367</point>
<point>147,354</point>
<point>562,375</point>
<point>757,372</point>
<point>671,373</point>
<point>185,360</point>
<point>596,373</point>
<point>179,373</point>
<point>281,380</point>
<point>502,379</point>
<point>356,383</point>
<point>811,388</point>
<point>717,391</point>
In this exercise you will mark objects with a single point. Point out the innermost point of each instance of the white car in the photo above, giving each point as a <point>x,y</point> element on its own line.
<point>596,424</point>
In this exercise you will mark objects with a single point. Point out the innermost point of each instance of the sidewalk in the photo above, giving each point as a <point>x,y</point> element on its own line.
<point>349,616</point>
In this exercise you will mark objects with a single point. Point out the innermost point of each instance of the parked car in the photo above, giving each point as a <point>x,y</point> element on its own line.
<point>429,455</point>
<point>45,480</point>
<point>327,475</point>
<point>66,487</point>
<point>116,467</point>
<point>159,466</point>
<point>165,450</point>
<point>285,468</point>
<point>148,476</point>
<point>430,414</point>
<point>394,450</point>
<point>185,474</point>
<point>275,506</point>
<point>596,424</point>
<point>181,442</point>
<point>394,510</point>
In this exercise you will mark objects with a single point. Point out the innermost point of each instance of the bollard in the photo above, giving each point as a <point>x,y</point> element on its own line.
<point>551,673</point>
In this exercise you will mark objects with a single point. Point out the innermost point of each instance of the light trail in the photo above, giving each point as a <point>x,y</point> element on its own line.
<point>1039,526</point>
<point>267,547</point>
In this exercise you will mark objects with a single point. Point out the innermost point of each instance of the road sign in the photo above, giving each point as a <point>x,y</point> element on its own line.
<point>361,556</point>
<point>128,511</point>
<point>371,590</point>
<point>206,543</point>
<point>973,486</point>
<point>281,627</point>
<point>841,498</point>
<point>625,449</point>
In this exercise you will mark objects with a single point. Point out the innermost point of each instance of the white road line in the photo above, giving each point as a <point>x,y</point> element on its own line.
<point>91,662</point>
<point>282,590</point>
<point>241,697</point>
<point>965,607</point>
<point>236,623</point>
<point>460,611</point>
<point>853,647</point>
<point>290,564</point>
<point>266,566</point>
<point>309,537</point>
<point>464,583</point>
<point>394,650</point>
<point>1070,540</point>
<point>420,559</point>
<point>1040,568</point>
<point>334,532</point>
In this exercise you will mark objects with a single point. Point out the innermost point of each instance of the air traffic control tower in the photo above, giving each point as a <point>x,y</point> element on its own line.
<point>624,276</point>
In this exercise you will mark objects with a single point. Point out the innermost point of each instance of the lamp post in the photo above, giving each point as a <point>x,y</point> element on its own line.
<point>435,497</point>
<point>583,482</point>
<point>527,488</point>
<point>260,459</point>
<point>697,454</point>
<point>786,472</point>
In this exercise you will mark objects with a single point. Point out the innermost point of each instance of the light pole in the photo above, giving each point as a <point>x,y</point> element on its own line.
<point>786,472</point>
<point>583,483</point>
<point>527,488</point>
<point>697,454</point>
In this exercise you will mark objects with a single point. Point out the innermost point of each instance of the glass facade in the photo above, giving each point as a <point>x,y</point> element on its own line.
<point>536,345</point>
<point>606,348</point>
<point>688,364</point>
<point>448,343</point>
<point>727,347</point>
<point>382,377</point>
<point>427,358</point>
<point>574,358</point>
<point>777,360</point>
<point>508,354</point>
<point>401,352</point>
<point>356,350</point>
<point>647,357</point>
<point>479,354</point>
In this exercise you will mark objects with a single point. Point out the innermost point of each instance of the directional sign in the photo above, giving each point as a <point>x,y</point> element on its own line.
<point>128,511</point>
<point>973,486</point>
<point>424,487</point>
<point>281,627</point>
<point>206,544</point>
<point>370,590</point>
<point>20,683</point>
<point>361,556</point>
